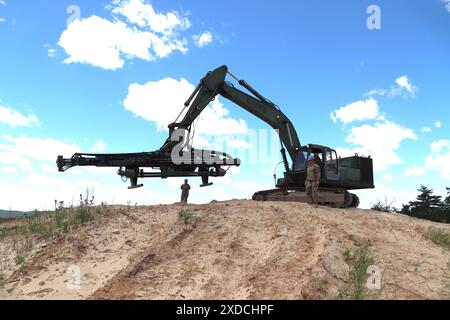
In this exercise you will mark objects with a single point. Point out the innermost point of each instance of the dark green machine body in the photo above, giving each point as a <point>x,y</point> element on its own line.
<point>338,174</point>
<point>351,173</point>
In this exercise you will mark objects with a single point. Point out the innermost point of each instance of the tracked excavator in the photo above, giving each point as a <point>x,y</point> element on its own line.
<point>339,175</point>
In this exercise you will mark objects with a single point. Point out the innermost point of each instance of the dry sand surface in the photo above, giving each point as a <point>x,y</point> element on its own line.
<point>234,250</point>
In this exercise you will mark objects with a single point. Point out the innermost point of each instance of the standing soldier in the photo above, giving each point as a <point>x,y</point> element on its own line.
<point>312,180</point>
<point>185,191</point>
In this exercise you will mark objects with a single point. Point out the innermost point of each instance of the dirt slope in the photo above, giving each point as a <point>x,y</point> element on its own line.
<point>236,250</point>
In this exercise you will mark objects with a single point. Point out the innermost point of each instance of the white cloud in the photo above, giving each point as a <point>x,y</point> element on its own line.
<point>100,146</point>
<point>7,169</point>
<point>203,39</point>
<point>143,15</point>
<point>426,129</point>
<point>13,160</point>
<point>397,196</point>
<point>238,144</point>
<point>106,44</point>
<point>403,87</point>
<point>438,146</point>
<point>40,149</point>
<point>2,2</point>
<point>446,4</point>
<point>47,168</point>
<point>51,52</point>
<point>162,101</point>
<point>404,82</point>
<point>357,111</point>
<point>158,101</point>
<point>14,118</point>
<point>387,177</point>
<point>414,172</point>
<point>379,141</point>
<point>438,124</point>
<point>439,158</point>
<point>42,190</point>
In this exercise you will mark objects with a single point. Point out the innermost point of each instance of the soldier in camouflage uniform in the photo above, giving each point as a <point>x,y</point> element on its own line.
<point>185,191</point>
<point>312,180</point>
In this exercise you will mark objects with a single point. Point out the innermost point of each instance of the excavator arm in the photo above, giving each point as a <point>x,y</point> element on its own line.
<point>214,84</point>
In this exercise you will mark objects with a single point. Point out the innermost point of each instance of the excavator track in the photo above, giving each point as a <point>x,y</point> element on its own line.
<point>327,197</point>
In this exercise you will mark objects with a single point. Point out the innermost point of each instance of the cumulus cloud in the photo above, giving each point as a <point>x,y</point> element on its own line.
<point>32,148</point>
<point>426,129</point>
<point>203,39</point>
<point>438,124</point>
<point>414,172</point>
<point>439,158</point>
<point>379,141</point>
<point>438,146</point>
<point>104,43</point>
<point>41,190</point>
<point>100,146</point>
<point>356,111</point>
<point>14,118</point>
<point>397,196</point>
<point>162,101</point>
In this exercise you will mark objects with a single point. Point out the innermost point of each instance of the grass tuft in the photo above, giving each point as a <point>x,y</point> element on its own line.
<point>359,261</point>
<point>439,237</point>
<point>185,216</point>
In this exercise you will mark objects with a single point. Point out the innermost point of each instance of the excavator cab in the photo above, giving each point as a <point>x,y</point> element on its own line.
<point>353,172</point>
<point>327,160</point>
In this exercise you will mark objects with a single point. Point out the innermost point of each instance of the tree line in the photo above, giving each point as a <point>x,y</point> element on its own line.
<point>427,205</point>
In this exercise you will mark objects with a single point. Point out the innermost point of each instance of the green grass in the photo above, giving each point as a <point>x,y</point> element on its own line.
<point>3,267</point>
<point>45,225</point>
<point>359,261</point>
<point>52,223</point>
<point>185,216</point>
<point>21,249</point>
<point>439,237</point>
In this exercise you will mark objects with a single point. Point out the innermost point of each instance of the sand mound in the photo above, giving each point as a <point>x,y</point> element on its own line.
<point>236,250</point>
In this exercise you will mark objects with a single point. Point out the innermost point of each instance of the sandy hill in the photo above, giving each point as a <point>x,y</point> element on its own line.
<point>238,250</point>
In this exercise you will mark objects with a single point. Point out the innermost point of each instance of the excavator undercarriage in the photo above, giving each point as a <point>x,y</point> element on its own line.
<point>335,198</point>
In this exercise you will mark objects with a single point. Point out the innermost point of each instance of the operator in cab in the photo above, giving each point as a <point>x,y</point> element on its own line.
<point>317,160</point>
<point>313,175</point>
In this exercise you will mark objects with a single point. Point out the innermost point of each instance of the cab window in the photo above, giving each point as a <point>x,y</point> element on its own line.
<point>331,165</point>
<point>300,161</point>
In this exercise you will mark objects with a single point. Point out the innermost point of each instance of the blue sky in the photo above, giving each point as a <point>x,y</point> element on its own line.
<point>112,79</point>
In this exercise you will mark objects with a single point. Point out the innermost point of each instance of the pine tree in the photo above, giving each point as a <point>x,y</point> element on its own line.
<point>447,199</point>
<point>406,209</point>
<point>426,199</point>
